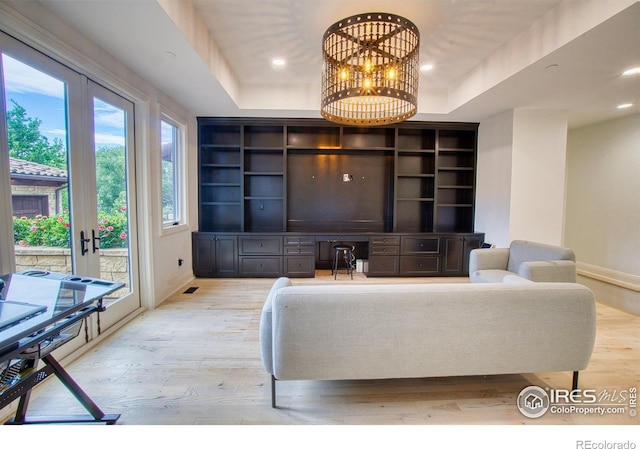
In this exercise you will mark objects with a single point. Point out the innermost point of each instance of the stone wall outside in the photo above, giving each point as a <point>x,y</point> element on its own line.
<point>114,263</point>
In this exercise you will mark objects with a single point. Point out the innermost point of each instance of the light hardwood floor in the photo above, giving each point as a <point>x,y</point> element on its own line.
<point>195,360</point>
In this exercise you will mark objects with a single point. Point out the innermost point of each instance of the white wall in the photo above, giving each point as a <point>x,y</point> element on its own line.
<point>603,208</point>
<point>580,189</point>
<point>521,177</point>
<point>538,175</point>
<point>493,183</point>
<point>171,244</point>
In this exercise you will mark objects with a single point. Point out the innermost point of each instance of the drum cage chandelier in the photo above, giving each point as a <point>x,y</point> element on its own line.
<point>370,70</point>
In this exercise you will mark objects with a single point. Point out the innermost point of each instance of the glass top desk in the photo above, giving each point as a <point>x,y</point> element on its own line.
<point>39,312</point>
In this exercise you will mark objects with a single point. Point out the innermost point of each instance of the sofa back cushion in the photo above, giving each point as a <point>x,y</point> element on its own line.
<point>525,251</point>
<point>383,331</point>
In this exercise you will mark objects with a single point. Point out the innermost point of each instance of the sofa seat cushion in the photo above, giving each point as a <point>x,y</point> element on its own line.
<point>549,271</point>
<point>489,276</point>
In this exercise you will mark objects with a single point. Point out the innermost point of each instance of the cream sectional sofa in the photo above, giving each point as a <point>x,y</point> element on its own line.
<point>378,331</point>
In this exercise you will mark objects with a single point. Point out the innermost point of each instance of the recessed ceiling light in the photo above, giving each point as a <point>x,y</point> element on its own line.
<point>632,71</point>
<point>426,67</point>
<point>624,106</point>
<point>278,62</point>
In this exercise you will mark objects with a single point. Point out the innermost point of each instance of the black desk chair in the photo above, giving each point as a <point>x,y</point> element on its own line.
<point>344,252</point>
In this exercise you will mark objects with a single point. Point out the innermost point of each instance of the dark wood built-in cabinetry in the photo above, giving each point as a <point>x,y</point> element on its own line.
<point>275,194</point>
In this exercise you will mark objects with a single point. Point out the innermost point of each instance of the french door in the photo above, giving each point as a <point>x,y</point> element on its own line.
<point>69,145</point>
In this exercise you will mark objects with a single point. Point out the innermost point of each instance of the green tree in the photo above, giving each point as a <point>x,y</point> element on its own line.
<point>168,192</point>
<point>111,178</point>
<point>26,142</point>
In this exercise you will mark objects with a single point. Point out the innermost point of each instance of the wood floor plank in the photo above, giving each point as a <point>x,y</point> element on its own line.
<point>196,360</point>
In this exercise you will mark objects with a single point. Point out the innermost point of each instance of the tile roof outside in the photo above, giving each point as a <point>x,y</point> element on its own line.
<point>27,168</point>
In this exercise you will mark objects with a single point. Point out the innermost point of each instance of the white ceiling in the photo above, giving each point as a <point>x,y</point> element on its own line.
<point>214,56</point>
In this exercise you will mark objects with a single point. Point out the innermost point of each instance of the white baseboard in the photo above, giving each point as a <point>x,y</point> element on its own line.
<point>618,278</point>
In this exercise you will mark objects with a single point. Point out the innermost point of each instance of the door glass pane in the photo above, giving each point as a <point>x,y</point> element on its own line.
<point>110,137</point>
<point>37,134</point>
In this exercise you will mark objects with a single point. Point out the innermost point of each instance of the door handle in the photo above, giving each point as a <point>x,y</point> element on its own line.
<point>83,243</point>
<point>95,239</point>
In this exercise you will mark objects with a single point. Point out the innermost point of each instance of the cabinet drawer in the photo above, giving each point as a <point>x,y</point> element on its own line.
<point>299,250</point>
<point>385,240</point>
<point>383,266</point>
<point>261,245</point>
<point>299,240</point>
<point>384,250</point>
<point>303,266</point>
<point>260,266</point>
<point>343,238</point>
<point>420,245</point>
<point>419,265</point>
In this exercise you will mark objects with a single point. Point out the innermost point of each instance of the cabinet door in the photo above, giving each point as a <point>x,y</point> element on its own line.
<point>226,256</point>
<point>204,253</point>
<point>457,249</point>
<point>453,255</point>
<point>470,242</point>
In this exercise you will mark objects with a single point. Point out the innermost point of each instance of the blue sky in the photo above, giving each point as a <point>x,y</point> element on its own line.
<point>43,97</point>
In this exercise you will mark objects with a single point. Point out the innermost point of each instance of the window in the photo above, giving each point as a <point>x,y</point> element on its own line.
<point>171,173</point>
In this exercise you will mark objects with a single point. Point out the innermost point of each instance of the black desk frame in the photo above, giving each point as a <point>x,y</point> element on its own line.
<point>22,389</point>
<point>36,341</point>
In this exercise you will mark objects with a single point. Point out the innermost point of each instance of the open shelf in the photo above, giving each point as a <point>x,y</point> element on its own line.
<point>457,139</point>
<point>368,138</point>
<point>219,134</point>
<point>263,136</point>
<point>416,139</point>
<point>284,175</point>
<point>313,136</point>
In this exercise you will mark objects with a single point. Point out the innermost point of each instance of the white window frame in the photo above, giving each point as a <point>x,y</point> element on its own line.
<point>179,186</point>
